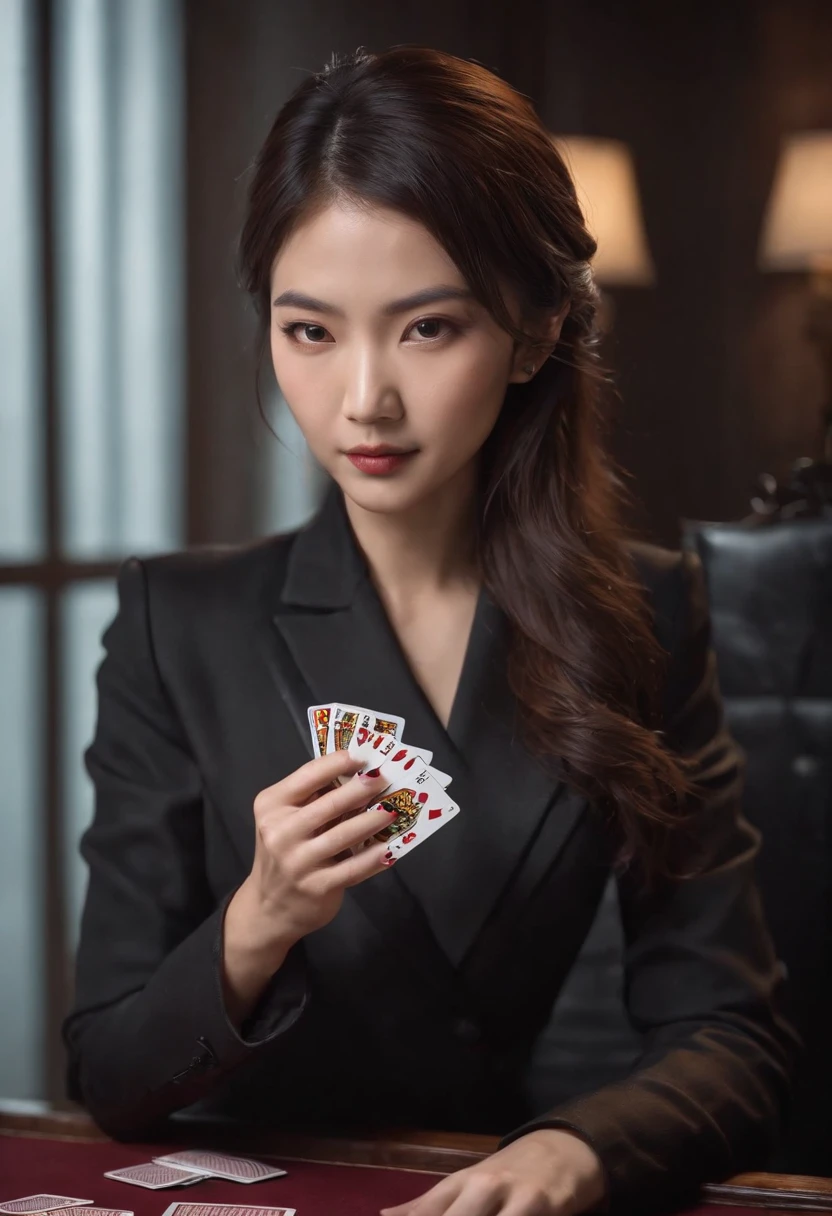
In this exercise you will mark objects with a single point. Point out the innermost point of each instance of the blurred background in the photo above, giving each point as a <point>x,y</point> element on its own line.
<point>700,136</point>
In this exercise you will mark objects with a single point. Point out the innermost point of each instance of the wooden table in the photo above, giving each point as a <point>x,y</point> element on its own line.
<point>44,1147</point>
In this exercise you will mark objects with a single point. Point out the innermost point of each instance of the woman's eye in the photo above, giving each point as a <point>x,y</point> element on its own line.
<point>430,329</point>
<point>309,339</point>
<point>431,323</point>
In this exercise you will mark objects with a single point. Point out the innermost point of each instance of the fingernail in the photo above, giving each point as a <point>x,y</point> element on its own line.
<point>393,813</point>
<point>371,775</point>
<point>388,861</point>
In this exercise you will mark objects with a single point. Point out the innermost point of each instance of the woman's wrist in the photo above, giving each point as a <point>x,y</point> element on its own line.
<point>251,954</point>
<point>589,1176</point>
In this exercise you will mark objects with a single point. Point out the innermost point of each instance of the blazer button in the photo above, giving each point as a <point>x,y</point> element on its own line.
<point>467,1031</point>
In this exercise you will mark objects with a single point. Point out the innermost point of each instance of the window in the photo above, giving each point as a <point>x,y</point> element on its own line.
<point>91,444</point>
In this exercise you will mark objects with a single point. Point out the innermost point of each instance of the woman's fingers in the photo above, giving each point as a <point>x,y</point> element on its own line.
<point>434,1202</point>
<point>313,776</point>
<point>333,804</point>
<point>353,870</point>
<point>347,834</point>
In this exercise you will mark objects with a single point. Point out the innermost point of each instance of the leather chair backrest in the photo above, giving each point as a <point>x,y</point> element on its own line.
<point>770,592</point>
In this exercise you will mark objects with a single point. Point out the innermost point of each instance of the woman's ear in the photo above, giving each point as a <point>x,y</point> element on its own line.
<point>529,356</point>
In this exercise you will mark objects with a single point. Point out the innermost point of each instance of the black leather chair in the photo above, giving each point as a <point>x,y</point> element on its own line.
<point>770,589</point>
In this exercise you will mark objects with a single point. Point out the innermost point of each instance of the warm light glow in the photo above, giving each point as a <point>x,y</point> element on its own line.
<point>605,179</point>
<point>797,230</point>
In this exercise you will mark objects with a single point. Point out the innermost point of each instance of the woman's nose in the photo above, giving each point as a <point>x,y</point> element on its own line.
<point>370,394</point>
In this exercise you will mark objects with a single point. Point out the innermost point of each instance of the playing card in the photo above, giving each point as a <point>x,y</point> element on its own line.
<point>394,758</point>
<point>93,1211</point>
<point>422,807</point>
<point>424,752</point>
<point>344,719</point>
<point>318,726</point>
<point>40,1203</point>
<point>444,779</point>
<point>224,1209</point>
<point>155,1176</point>
<point>220,1165</point>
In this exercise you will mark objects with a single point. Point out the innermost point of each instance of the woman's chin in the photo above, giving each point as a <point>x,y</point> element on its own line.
<point>387,495</point>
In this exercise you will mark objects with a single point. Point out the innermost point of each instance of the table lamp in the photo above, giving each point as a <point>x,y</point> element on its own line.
<point>605,180</point>
<point>797,236</point>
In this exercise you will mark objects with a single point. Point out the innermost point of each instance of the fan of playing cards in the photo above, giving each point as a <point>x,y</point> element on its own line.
<point>415,791</point>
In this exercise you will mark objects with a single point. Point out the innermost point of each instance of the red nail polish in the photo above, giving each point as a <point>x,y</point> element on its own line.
<point>371,775</point>
<point>388,861</point>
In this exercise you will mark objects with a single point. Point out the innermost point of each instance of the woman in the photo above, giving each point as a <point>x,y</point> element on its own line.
<point>418,259</point>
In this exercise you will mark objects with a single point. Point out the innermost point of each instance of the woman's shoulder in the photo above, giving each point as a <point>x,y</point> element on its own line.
<point>209,573</point>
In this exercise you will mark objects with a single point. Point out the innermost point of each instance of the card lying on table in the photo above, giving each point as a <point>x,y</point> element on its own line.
<point>220,1165</point>
<point>94,1211</point>
<point>224,1209</point>
<point>30,1205</point>
<point>155,1176</point>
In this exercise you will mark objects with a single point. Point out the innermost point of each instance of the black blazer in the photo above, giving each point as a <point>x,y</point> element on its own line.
<point>420,1003</point>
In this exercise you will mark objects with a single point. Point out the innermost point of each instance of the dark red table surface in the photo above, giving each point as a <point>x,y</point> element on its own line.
<point>29,1165</point>
<point>33,1164</point>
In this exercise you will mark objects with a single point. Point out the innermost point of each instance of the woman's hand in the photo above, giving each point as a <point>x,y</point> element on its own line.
<point>545,1173</point>
<point>302,866</point>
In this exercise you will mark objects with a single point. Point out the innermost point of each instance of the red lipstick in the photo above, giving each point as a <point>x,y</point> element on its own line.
<point>379,458</point>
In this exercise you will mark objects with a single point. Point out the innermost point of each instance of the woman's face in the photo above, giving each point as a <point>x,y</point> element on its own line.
<point>363,364</point>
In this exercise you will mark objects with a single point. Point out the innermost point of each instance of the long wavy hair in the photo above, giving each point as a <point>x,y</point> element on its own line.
<point>448,143</point>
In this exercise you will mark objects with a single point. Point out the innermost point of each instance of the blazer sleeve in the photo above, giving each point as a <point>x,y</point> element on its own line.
<point>148,1032</point>
<point>702,983</point>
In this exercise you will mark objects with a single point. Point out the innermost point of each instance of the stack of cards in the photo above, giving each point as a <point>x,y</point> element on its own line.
<point>38,1205</point>
<point>193,1165</point>
<point>415,791</point>
<point>155,1177</point>
<point>211,1164</point>
<point>224,1209</point>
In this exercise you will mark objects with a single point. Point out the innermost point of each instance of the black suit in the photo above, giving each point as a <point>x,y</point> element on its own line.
<point>420,1002</point>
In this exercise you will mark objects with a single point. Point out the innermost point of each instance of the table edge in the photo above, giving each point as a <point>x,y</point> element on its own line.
<point>420,1151</point>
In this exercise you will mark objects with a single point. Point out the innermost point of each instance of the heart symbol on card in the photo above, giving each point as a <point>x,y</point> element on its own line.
<point>400,755</point>
<point>407,839</point>
<point>422,797</point>
<point>434,812</point>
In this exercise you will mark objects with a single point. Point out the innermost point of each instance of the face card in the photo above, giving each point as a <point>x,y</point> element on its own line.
<point>319,726</point>
<point>40,1203</point>
<point>155,1176</point>
<point>224,1209</point>
<point>422,808</point>
<point>345,719</point>
<point>221,1165</point>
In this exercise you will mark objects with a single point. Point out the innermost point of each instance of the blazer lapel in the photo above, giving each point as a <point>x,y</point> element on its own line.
<point>336,643</point>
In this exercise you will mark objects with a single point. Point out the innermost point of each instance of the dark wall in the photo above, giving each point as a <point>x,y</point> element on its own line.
<point>717,381</point>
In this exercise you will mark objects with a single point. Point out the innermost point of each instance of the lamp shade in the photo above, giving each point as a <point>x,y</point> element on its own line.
<point>797,227</point>
<point>605,180</point>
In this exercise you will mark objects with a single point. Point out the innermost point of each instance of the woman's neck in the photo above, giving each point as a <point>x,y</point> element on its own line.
<point>430,547</point>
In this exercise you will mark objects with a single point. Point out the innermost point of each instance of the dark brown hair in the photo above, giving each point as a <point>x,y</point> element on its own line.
<point>450,144</point>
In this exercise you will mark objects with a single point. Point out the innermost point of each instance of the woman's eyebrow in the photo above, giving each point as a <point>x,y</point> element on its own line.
<point>428,295</point>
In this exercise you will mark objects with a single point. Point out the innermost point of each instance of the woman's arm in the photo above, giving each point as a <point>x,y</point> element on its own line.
<point>150,1030</point>
<point>702,981</point>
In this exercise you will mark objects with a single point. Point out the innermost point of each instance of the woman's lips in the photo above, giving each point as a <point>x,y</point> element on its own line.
<point>387,462</point>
